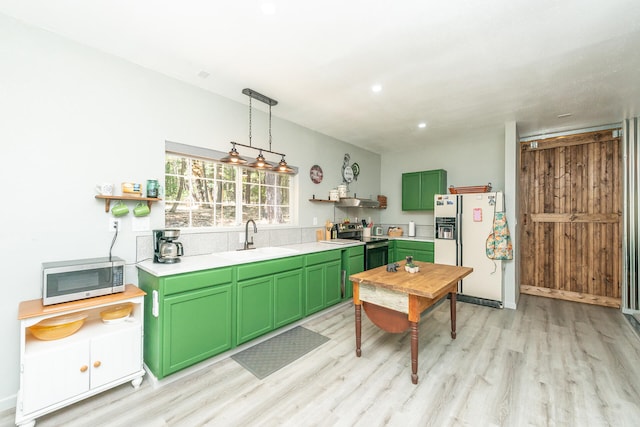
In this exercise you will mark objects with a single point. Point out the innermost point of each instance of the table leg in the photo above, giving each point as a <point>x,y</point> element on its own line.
<point>358,328</point>
<point>414,352</point>
<point>453,315</point>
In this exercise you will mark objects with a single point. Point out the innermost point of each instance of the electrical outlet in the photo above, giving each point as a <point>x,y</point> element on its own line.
<point>315,220</point>
<point>114,224</point>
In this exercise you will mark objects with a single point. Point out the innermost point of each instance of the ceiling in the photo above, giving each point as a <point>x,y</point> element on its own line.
<point>459,66</point>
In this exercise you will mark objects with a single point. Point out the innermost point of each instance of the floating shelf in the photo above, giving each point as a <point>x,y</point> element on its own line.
<point>323,200</point>
<point>108,199</point>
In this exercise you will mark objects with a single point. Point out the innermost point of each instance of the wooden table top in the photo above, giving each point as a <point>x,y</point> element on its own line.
<point>428,282</point>
<point>34,307</point>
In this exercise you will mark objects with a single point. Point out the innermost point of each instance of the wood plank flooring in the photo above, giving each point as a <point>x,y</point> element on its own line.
<point>549,363</point>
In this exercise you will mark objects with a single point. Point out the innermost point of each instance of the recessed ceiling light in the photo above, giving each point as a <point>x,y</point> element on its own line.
<point>376,88</point>
<point>422,125</point>
<point>268,8</point>
<point>562,116</point>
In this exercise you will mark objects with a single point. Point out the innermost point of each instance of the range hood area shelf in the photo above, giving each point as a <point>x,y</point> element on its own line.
<point>323,200</point>
<point>108,199</point>
<point>353,202</point>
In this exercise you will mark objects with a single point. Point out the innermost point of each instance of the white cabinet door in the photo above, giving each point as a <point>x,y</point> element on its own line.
<point>117,354</point>
<point>55,375</point>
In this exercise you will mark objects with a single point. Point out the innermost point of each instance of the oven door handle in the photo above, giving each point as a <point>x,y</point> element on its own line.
<point>377,245</point>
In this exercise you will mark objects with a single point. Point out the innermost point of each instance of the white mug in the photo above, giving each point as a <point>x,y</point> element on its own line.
<point>105,189</point>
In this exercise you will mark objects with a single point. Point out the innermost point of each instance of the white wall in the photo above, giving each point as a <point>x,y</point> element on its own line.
<point>473,159</point>
<point>73,117</point>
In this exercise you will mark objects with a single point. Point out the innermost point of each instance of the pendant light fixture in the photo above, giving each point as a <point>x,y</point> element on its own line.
<point>260,162</point>
<point>234,156</point>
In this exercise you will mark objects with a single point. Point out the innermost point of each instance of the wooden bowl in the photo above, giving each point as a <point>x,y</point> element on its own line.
<point>58,327</point>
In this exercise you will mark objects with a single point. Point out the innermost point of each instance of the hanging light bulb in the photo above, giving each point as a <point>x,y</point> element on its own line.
<point>282,167</point>
<point>261,162</point>
<point>234,156</point>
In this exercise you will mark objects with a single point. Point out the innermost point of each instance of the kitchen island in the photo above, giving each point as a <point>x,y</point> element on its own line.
<point>394,301</point>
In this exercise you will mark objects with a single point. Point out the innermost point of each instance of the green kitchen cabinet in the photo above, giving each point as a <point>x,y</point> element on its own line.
<point>352,263</point>
<point>287,288</point>
<point>418,189</point>
<point>269,296</point>
<point>188,318</point>
<point>197,325</point>
<point>420,251</point>
<point>392,251</point>
<point>322,280</point>
<point>255,308</point>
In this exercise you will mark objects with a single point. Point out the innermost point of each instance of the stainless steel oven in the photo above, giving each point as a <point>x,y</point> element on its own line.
<point>376,252</point>
<point>376,249</point>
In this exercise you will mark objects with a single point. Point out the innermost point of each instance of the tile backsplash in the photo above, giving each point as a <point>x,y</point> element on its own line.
<point>210,242</point>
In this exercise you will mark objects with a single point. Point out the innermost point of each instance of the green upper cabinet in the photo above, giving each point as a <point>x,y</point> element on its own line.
<point>418,189</point>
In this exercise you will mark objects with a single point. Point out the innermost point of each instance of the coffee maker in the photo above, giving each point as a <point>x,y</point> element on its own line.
<point>165,248</point>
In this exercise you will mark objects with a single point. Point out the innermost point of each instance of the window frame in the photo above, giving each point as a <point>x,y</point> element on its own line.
<point>199,153</point>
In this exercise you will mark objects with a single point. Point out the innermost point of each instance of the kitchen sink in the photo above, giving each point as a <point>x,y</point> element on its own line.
<point>257,254</point>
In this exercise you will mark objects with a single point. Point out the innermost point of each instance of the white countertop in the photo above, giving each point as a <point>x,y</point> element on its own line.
<point>206,262</point>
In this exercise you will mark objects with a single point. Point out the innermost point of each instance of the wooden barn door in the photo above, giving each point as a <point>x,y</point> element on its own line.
<point>571,204</point>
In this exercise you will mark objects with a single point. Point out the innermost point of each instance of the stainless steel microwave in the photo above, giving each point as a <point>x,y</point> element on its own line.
<point>65,281</point>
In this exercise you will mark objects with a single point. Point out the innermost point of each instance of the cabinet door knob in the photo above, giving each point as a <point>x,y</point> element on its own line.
<point>84,368</point>
<point>97,364</point>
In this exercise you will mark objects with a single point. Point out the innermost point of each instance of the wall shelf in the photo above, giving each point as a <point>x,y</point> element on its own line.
<point>108,199</point>
<point>323,200</point>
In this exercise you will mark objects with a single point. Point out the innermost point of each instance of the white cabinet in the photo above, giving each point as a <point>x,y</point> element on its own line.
<point>56,373</point>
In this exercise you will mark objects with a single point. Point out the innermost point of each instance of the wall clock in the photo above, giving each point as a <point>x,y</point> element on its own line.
<point>316,174</point>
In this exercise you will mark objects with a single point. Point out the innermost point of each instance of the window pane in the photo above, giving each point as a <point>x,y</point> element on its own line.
<point>204,193</point>
<point>176,188</point>
<point>202,215</point>
<point>176,215</point>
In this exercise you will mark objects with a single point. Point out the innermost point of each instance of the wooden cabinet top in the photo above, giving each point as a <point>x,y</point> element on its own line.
<point>428,282</point>
<point>34,307</point>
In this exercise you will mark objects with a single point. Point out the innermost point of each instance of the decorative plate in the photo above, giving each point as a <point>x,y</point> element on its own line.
<point>356,170</point>
<point>347,174</point>
<point>316,174</point>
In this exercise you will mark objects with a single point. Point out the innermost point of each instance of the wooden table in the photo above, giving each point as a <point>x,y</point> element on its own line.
<point>394,301</point>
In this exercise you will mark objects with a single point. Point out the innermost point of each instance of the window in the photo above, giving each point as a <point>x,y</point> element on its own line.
<point>202,192</point>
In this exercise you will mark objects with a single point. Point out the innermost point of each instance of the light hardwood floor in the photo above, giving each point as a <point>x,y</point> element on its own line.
<point>549,363</point>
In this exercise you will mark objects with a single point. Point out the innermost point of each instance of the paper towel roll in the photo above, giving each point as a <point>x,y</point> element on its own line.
<point>412,229</point>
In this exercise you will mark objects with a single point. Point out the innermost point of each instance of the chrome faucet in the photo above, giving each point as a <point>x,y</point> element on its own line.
<point>248,243</point>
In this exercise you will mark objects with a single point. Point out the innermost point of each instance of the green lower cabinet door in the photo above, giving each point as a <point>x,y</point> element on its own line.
<point>314,289</point>
<point>255,308</point>
<point>288,297</point>
<point>356,265</point>
<point>196,325</point>
<point>333,294</point>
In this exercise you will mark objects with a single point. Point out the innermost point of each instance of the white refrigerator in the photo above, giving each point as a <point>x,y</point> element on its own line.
<point>463,222</point>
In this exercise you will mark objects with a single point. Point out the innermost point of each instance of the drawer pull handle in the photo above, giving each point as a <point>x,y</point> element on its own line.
<point>84,368</point>
<point>96,364</point>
